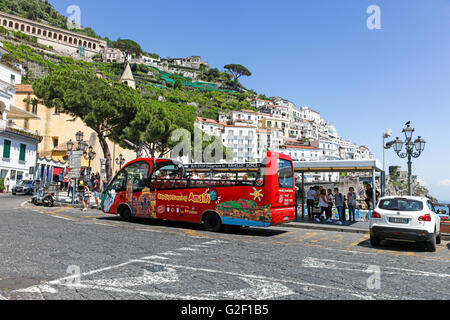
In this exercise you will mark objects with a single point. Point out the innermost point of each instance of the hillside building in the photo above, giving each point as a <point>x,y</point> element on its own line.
<point>63,41</point>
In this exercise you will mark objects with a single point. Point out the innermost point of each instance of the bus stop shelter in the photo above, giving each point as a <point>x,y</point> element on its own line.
<point>372,166</point>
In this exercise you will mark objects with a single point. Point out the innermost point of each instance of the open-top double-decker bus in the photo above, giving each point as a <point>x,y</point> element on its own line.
<point>239,194</point>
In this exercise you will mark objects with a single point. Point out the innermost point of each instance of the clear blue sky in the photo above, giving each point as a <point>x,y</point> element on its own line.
<point>318,53</point>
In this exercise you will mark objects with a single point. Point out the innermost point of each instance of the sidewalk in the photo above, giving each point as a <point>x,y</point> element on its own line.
<point>361,227</point>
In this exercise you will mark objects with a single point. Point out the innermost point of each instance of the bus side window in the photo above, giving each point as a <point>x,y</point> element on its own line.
<point>168,176</point>
<point>119,183</point>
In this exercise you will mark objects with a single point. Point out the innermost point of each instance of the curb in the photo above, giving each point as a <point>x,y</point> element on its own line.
<point>444,236</point>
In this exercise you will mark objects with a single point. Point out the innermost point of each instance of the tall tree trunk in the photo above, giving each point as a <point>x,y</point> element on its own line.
<point>106,154</point>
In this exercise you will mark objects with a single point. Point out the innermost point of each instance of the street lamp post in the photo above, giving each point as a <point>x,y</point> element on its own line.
<point>120,161</point>
<point>90,155</point>
<point>386,135</point>
<point>412,150</point>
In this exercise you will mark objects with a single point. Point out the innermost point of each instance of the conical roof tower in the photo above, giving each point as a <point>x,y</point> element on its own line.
<point>127,76</point>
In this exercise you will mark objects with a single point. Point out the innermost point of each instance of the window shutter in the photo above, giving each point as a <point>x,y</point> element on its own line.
<point>6,149</point>
<point>23,148</point>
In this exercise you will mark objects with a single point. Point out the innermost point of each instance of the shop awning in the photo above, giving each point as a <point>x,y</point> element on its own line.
<point>57,171</point>
<point>17,113</point>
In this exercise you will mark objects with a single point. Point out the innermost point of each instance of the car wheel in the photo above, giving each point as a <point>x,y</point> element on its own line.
<point>438,239</point>
<point>431,245</point>
<point>374,241</point>
<point>212,222</point>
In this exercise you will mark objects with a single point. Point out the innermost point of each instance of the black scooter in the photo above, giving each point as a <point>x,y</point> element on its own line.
<point>42,198</point>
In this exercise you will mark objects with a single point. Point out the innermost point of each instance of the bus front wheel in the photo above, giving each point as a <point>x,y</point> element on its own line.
<point>125,213</point>
<point>212,222</point>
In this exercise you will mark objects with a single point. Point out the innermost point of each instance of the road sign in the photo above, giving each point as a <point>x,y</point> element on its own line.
<point>75,164</point>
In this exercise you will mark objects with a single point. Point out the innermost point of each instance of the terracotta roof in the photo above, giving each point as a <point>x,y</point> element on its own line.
<point>301,147</point>
<point>235,126</point>
<point>199,119</point>
<point>24,88</point>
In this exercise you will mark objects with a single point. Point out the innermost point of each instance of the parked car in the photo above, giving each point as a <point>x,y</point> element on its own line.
<point>24,187</point>
<point>406,218</point>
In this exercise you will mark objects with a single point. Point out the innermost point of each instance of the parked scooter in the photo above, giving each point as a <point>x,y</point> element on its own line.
<point>43,198</point>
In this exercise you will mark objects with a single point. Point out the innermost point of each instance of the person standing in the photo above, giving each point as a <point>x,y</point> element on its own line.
<point>330,202</point>
<point>323,204</point>
<point>339,201</point>
<point>96,189</point>
<point>70,187</point>
<point>351,201</point>
<point>66,182</point>
<point>311,196</point>
<point>84,194</point>
<point>7,184</point>
<point>369,196</point>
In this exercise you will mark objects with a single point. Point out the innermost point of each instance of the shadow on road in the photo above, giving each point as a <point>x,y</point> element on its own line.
<point>254,232</point>
<point>399,246</point>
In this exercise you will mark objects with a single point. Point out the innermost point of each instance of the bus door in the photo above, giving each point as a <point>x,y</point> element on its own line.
<point>169,184</point>
<point>115,193</point>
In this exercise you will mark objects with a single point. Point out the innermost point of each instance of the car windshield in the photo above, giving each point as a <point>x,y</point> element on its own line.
<point>401,205</point>
<point>25,183</point>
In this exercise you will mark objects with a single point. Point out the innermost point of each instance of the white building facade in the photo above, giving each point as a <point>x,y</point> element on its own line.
<point>18,147</point>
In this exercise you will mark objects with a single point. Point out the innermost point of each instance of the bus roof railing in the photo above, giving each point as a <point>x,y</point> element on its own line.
<point>223,167</point>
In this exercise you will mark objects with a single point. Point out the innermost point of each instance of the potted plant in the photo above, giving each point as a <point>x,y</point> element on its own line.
<point>2,185</point>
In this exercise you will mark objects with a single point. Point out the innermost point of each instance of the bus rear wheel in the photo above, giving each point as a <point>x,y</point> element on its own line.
<point>212,222</point>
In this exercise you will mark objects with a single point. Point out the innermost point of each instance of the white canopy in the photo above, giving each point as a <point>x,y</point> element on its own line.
<point>338,166</point>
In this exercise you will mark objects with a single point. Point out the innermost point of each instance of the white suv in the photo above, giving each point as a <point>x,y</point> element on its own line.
<point>406,218</point>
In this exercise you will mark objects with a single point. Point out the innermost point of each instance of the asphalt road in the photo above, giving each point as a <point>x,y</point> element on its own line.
<point>61,253</point>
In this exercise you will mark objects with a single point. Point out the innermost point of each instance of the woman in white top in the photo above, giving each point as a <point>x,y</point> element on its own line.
<point>6,183</point>
<point>323,204</point>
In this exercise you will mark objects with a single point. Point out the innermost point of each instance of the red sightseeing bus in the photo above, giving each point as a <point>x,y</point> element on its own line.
<point>250,194</point>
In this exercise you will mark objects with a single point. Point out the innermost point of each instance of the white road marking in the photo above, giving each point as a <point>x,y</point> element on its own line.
<point>153,278</point>
<point>38,289</point>
<point>105,225</point>
<point>58,217</point>
<point>2,297</point>
<point>155,257</point>
<point>360,294</point>
<point>23,203</point>
<point>361,267</point>
<point>170,253</point>
<point>259,289</point>
<point>46,287</point>
<point>150,230</point>
<point>188,249</point>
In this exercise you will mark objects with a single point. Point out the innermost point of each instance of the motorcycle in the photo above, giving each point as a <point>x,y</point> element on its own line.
<point>43,198</point>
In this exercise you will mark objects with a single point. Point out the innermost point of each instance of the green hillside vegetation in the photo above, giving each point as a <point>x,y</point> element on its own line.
<point>153,83</point>
<point>40,11</point>
<point>37,10</point>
